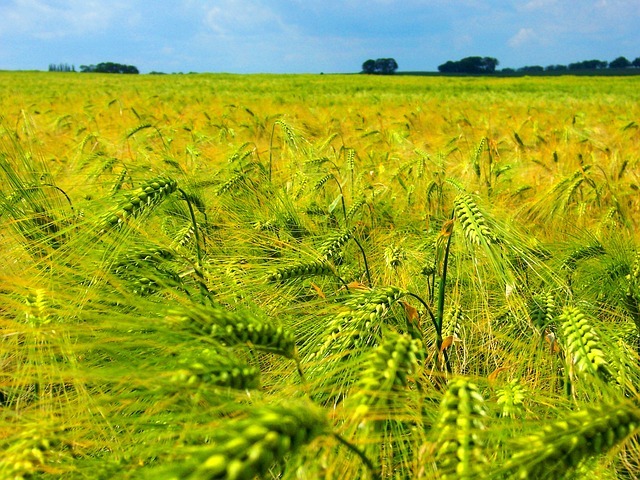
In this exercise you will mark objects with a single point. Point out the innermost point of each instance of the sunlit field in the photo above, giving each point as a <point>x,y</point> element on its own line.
<point>319,277</point>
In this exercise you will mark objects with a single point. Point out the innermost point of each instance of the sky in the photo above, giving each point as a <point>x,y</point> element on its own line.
<point>312,36</point>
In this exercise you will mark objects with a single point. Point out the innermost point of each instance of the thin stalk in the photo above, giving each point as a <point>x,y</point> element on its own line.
<point>441,296</point>
<point>364,257</point>
<point>273,131</point>
<point>203,289</point>
<point>375,473</point>
<point>344,208</point>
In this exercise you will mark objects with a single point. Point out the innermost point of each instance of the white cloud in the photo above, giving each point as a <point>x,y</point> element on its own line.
<point>46,19</point>
<point>524,37</point>
<point>242,17</point>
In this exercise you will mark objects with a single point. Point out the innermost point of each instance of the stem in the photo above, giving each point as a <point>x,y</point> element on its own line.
<point>273,130</point>
<point>441,295</point>
<point>375,474</point>
<point>433,319</point>
<point>203,289</point>
<point>344,208</point>
<point>364,257</point>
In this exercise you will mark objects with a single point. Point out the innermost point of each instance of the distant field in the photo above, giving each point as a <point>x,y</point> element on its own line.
<point>319,276</point>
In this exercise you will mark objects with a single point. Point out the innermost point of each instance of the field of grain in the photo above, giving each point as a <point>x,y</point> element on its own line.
<point>304,277</point>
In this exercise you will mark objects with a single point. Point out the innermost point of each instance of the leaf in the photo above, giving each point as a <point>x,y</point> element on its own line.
<point>318,291</point>
<point>494,375</point>
<point>412,312</point>
<point>551,339</point>
<point>446,343</point>
<point>334,204</point>
<point>355,286</point>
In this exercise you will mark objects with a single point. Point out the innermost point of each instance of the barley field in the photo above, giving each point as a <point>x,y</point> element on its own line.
<point>319,277</point>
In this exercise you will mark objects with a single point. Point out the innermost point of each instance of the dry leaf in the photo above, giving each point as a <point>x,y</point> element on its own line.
<point>551,339</point>
<point>446,343</point>
<point>355,286</point>
<point>318,290</point>
<point>412,312</point>
<point>493,375</point>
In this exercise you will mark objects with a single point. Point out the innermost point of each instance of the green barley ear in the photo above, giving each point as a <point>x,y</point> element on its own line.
<point>394,256</point>
<point>582,343</point>
<point>139,201</point>
<point>350,156</point>
<point>355,207</point>
<point>290,136</point>
<point>511,399</point>
<point>322,181</point>
<point>543,310</point>
<point>33,452</point>
<point>582,253</point>
<point>300,270</point>
<point>472,221</point>
<point>231,184</point>
<point>333,243</point>
<point>453,322</point>
<point>460,454</point>
<point>633,286</point>
<point>210,367</point>
<point>38,311</point>
<point>359,326</point>
<point>232,328</point>
<point>386,371</point>
<point>558,448</point>
<point>477,154</point>
<point>250,447</point>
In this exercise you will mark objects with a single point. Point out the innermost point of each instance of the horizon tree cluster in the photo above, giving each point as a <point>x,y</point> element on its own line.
<point>109,67</point>
<point>61,67</point>
<point>381,66</point>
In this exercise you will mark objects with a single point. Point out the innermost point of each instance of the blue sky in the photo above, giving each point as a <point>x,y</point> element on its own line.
<point>300,36</point>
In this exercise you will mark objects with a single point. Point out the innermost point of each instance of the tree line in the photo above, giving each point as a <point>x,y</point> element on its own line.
<point>618,63</point>
<point>61,67</point>
<point>483,65</point>
<point>109,67</point>
<point>105,67</point>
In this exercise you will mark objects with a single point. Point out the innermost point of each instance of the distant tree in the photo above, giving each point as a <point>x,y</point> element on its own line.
<point>556,68</point>
<point>386,66</point>
<point>470,65</point>
<point>383,66</point>
<point>620,62</point>
<point>61,67</point>
<point>490,64</point>
<point>369,66</point>
<point>109,67</point>
<point>531,69</point>
<point>449,67</point>
<point>588,65</point>
<point>636,63</point>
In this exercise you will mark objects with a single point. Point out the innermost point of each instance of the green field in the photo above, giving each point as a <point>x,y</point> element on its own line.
<point>319,276</point>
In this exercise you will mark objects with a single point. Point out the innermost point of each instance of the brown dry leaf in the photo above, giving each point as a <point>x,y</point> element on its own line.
<point>447,228</point>
<point>355,286</point>
<point>318,291</point>
<point>551,339</point>
<point>493,375</point>
<point>412,312</point>
<point>446,343</point>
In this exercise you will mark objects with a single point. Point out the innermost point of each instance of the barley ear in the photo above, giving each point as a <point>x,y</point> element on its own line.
<point>460,454</point>
<point>582,344</point>
<point>561,446</point>
<point>250,447</point>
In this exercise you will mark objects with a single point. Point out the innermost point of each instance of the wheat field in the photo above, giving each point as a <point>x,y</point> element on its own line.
<point>319,277</point>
